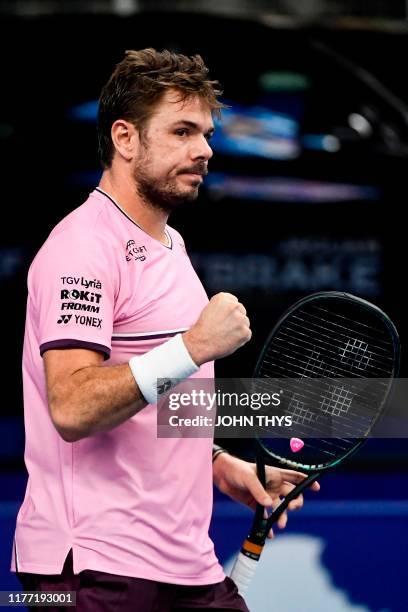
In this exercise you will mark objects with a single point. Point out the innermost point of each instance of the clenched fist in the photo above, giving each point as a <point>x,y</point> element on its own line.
<point>220,330</point>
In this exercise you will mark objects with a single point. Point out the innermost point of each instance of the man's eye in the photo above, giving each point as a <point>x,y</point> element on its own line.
<point>182,132</point>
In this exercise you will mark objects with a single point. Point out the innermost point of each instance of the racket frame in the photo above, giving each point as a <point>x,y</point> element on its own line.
<point>252,547</point>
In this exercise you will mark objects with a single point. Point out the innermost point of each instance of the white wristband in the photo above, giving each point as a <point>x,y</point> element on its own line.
<point>171,360</point>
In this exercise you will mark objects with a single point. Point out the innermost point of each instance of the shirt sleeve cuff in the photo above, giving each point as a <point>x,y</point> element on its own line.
<point>70,343</point>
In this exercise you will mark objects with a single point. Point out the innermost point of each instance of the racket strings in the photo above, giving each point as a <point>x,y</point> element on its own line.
<point>320,368</point>
<point>307,353</point>
<point>335,397</point>
<point>348,402</point>
<point>356,341</point>
<point>357,324</point>
<point>352,352</point>
<point>353,343</point>
<point>308,424</point>
<point>324,353</point>
<point>374,334</point>
<point>317,342</point>
<point>340,395</point>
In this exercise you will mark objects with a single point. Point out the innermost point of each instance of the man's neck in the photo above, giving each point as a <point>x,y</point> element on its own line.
<point>123,190</point>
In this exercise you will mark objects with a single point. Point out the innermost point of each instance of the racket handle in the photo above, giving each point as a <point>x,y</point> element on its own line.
<point>242,572</point>
<point>273,517</point>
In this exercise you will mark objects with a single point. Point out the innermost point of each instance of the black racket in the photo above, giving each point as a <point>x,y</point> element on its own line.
<point>322,339</point>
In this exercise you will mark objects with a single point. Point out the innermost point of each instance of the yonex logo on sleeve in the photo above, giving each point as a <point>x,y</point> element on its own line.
<point>81,320</point>
<point>64,319</point>
<point>90,321</point>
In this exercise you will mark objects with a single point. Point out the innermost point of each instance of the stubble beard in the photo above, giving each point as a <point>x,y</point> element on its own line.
<point>160,192</point>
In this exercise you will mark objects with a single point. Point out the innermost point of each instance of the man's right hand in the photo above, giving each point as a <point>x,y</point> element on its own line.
<point>220,330</point>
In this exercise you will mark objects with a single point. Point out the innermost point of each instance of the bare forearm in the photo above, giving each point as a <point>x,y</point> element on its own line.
<point>94,399</point>
<point>85,398</point>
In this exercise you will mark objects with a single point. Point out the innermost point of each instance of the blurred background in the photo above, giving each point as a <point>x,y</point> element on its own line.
<point>307,191</point>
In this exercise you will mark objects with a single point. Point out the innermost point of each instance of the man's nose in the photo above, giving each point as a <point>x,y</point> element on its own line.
<point>201,149</point>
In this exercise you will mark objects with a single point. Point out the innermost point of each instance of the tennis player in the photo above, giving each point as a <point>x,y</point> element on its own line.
<point>110,511</point>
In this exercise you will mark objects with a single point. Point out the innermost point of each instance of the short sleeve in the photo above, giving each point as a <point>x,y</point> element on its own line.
<point>72,286</point>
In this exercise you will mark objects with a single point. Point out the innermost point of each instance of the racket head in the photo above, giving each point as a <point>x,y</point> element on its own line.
<point>321,339</point>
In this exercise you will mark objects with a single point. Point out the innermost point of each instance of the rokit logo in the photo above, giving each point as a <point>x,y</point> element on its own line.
<point>80,280</point>
<point>64,319</point>
<point>85,296</point>
<point>135,253</point>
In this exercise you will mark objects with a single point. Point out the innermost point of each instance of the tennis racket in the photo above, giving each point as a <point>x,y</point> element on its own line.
<point>322,339</point>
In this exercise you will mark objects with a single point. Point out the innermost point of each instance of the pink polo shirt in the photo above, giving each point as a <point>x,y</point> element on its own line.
<point>126,502</point>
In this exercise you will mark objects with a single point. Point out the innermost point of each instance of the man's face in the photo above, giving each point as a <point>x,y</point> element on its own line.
<point>174,151</point>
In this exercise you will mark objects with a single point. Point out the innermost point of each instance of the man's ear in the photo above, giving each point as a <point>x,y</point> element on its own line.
<point>125,138</point>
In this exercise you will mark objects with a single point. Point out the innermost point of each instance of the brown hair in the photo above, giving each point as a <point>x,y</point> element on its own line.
<point>139,82</point>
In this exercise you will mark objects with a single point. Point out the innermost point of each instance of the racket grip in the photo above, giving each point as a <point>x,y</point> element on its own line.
<point>243,571</point>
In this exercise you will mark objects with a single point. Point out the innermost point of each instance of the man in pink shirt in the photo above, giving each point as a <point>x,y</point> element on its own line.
<point>111,511</point>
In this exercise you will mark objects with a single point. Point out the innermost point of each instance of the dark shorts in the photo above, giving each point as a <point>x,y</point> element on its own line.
<point>101,592</point>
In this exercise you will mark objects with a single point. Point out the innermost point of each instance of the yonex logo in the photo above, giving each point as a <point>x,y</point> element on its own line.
<point>64,319</point>
<point>90,321</point>
<point>164,387</point>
